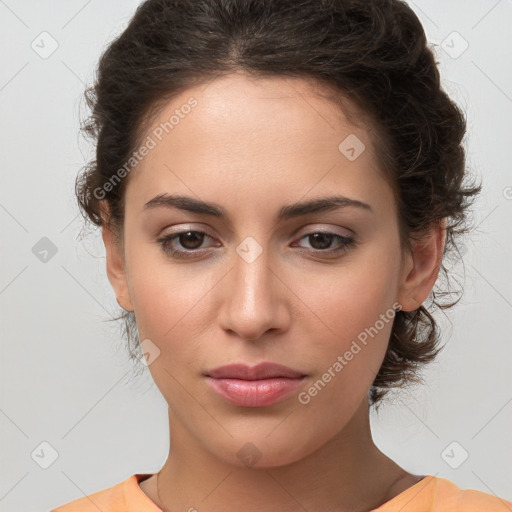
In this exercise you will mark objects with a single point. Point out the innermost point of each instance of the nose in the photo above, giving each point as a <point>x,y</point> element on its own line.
<point>254,299</point>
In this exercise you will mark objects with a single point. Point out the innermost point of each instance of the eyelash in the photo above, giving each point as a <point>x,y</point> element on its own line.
<point>346,244</point>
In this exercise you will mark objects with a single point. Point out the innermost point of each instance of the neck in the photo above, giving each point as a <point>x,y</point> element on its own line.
<point>347,473</point>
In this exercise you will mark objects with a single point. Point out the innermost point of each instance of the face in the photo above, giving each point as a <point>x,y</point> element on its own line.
<point>312,290</point>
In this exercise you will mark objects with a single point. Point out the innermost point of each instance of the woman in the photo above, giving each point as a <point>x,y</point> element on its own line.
<point>278,184</point>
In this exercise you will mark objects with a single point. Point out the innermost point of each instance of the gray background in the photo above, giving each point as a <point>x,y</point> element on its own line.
<point>65,376</point>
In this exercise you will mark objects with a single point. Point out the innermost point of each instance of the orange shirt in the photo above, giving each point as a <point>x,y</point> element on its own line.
<point>431,494</point>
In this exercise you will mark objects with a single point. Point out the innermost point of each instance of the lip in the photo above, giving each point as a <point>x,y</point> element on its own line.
<point>255,386</point>
<point>261,371</point>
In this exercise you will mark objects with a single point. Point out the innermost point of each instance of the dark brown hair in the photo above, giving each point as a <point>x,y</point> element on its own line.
<point>373,52</point>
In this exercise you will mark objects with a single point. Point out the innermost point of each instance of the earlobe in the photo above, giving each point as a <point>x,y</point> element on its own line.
<point>424,264</point>
<point>115,265</point>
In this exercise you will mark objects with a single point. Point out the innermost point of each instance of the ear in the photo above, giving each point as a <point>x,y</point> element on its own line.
<point>421,267</point>
<point>116,269</point>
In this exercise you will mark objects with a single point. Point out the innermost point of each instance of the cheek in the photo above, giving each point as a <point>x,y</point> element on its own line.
<point>349,315</point>
<point>349,335</point>
<point>351,297</point>
<point>162,290</point>
<point>170,313</point>
<point>167,301</point>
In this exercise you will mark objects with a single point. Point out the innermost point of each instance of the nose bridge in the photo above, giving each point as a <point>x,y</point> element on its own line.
<point>252,278</point>
<point>252,305</point>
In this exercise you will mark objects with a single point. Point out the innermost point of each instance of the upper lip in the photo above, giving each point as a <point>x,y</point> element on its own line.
<point>260,371</point>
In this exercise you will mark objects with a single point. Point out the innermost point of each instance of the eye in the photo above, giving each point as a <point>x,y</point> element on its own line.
<point>190,241</point>
<point>321,242</point>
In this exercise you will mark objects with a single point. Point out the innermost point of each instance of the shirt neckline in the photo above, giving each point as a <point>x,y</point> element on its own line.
<point>136,497</point>
<point>408,495</point>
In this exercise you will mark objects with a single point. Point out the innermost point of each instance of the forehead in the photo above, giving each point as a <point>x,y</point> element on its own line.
<point>246,105</point>
<point>242,136</point>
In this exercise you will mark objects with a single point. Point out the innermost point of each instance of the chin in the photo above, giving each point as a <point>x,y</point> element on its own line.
<point>264,452</point>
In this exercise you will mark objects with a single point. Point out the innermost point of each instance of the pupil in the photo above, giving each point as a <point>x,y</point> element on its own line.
<point>320,236</point>
<point>190,236</point>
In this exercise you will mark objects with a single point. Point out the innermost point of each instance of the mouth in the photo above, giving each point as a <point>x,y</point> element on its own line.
<point>258,386</point>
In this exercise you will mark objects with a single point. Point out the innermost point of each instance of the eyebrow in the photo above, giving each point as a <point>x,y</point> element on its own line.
<point>322,204</point>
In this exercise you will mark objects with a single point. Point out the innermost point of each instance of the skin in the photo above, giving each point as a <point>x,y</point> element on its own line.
<point>253,146</point>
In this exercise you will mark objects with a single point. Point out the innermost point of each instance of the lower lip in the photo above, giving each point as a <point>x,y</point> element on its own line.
<point>254,393</point>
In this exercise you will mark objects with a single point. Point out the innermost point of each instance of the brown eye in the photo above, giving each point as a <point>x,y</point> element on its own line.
<point>321,242</point>
<point>191,239</point>
<point>183,244</point>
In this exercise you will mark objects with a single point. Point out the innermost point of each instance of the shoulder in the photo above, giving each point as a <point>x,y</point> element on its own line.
<point>102,500</point>
<point>434,494</point>
<point>448,497</point>
<point>109,499</point>
<point>124,496</point>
